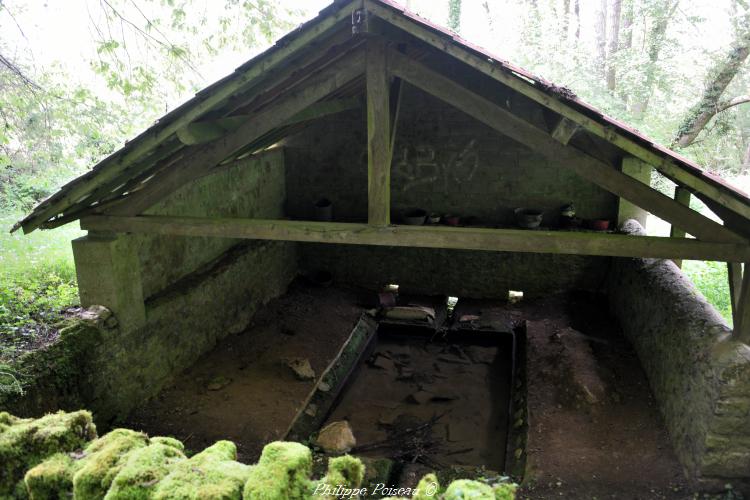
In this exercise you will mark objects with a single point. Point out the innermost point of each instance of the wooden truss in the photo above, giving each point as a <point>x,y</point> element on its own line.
<point>263,107</point>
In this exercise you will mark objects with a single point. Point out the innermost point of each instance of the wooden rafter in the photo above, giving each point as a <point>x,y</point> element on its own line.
<point>464,238</point>
<point>564,130</point>
<point>539,140</point>
<point>378,135</point>
<point>682,196</point>
<point>742,309</point>
<point>200,159</point>
<point>680,175</point>
<point>208,99</point>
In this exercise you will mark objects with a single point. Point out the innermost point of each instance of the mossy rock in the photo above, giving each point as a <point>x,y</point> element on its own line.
<point>144,468</point>
<point>213,473</point>
<point>24,443</point>
<point>467,489</point>
<point>428,488</point>
<point>103,459</point>
<point>283,472</point>
<point>51,479</point>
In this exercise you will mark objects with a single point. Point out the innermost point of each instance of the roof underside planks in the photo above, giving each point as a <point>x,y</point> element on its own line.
<point>153,155</point>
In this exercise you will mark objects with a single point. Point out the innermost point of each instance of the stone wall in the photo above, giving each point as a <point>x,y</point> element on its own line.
<point>445,162</point>
<point>176,297</point>
<point>698,373</point>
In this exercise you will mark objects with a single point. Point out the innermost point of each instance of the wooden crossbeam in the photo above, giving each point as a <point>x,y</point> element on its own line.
<point>463,238</point>
<point>197,160</point>
<point>207,131</point>
<point>666,166</point>
<point>585,166</point>
<point>564,130</point>
<point>378,135</point>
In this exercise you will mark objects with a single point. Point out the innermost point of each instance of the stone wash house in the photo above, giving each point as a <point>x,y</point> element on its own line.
<point>200,221</point>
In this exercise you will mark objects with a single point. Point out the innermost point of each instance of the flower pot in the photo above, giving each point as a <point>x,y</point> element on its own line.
<point>433,219</point>
<point>598,224</point>
<point>452,220</point>
<point>415,217</point>
<point>324,210</point>
<point>528,218</point>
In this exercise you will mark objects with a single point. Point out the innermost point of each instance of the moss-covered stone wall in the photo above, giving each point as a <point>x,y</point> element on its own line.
<point>698,373</point>
<point>60,456</point>
<point>445,162</point>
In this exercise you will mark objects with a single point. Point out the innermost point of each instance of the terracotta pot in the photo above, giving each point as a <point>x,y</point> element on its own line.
<point>598,224</point>
<point>528,218</point>
<point>452,220</point>
<point>433,219</point>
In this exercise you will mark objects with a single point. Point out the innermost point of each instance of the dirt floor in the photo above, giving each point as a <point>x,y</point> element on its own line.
<point>594,430</point>
<point>594,426</point>
<point>243,390</point>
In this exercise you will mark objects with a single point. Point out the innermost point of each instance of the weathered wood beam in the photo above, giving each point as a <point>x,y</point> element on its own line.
<point>197,160</point>
<point>742,316</point>
<point>378,135</point>
<point>463,238</point>
<point>564,130</point>
<point>639,170</point>
<point>682,196</point>
<point>211,97</point>
<point>206,131</point>
<point>734,274</point>
<point>668,167</point>
<point>585,166</point>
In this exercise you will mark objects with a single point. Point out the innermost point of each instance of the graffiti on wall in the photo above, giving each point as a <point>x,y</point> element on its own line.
<point>422,165</point>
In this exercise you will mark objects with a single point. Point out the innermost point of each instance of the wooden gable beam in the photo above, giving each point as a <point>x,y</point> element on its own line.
<point>741,312</point>
<point>198,160</point>
<point>681,196</point>
<point>668,167</point>
<point>378,135</point>
<point>539,140</point>
<point>462,238</point>
<point>207,131</point>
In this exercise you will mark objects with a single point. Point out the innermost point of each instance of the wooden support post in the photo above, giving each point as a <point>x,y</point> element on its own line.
<point>108,272</point>
<point>734,273</point>
<point>682,196</point>
<point>378,135</point>
<point>742,315</point>
<point>636,169</point>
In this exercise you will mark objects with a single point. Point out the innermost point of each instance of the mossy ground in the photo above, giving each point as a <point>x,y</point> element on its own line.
<point>59,456</point>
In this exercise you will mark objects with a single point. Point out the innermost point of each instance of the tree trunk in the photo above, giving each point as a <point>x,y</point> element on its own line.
<point>565,20</point>
<point>613,43</point>
<point>600,27</point>
<point>657,36</point>
<point>711,103</point>
<point>577,10</point>
<point>746,160</point>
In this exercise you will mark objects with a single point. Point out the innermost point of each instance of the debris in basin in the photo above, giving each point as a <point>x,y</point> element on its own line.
<point>218,383</point>
<point>336,437</point>
<point>324,387</point>
<point>383,362</point>
<point>419,397</point>
<point>311,410</point>
<point>301,368</point>
<point>411,313</point>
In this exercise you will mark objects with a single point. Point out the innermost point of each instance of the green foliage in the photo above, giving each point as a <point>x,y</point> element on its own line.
<point>37,282</point>
<point>711,280</point>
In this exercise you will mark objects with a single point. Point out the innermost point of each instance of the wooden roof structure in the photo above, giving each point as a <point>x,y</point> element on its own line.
<point>369,47</point>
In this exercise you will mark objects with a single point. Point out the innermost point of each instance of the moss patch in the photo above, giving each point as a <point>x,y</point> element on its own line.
<point>144,468</point>
<point>25,443</point>
<point>282,472</point>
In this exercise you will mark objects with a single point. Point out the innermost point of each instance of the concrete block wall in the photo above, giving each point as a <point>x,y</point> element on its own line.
<point>699,375</point>
<point>444,161</point>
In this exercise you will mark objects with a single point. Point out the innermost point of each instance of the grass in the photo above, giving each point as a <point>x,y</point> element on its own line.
<point>37,283</point>
<point>712,281</point>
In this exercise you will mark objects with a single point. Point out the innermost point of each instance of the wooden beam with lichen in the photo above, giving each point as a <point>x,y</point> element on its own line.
<point>460,238</point>
<point>378,135</point>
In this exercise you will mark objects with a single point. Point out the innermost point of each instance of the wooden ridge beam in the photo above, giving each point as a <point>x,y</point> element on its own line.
<point>378,135</point>
<point>208,99</point>
<point>585,166</point>
<point>198,160</point>
<point>461,238</point>
<point>666,166</point>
